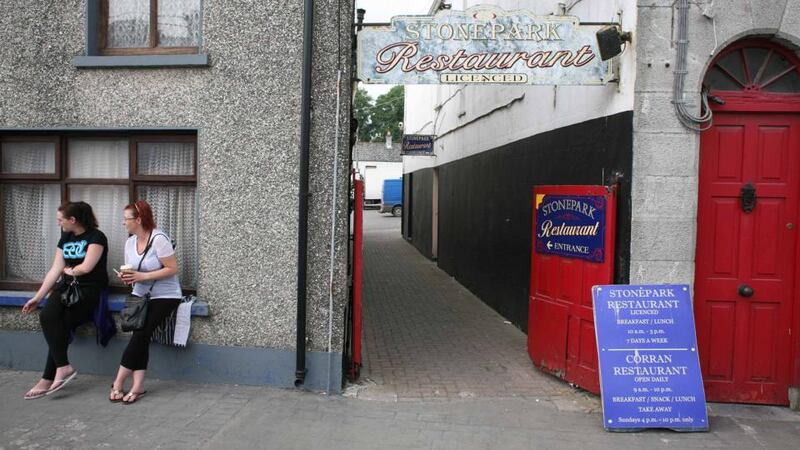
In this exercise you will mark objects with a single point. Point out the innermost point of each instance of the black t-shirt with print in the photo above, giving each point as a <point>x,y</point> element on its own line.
<point>74,250</point>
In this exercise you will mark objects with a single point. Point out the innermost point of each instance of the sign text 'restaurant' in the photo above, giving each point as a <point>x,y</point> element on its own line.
<point>481,45</point>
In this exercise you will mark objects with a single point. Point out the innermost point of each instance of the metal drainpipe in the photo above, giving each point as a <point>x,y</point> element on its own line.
<point>302,231</point>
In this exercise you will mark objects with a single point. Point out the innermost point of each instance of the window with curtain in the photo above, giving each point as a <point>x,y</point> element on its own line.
<point>149,26</point>
<point>38,173</point>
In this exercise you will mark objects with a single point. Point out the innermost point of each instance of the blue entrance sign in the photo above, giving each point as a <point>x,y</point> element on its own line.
<point>649,369</point>
<point>572,226</point>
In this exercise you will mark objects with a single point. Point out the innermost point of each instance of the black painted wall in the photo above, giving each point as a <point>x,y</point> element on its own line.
<point>486,211</point>
<point>421,209</point>
<point>405,229</point>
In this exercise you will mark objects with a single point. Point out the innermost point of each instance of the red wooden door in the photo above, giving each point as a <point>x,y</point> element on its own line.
<point>561,337</point>
<point>744,341</point>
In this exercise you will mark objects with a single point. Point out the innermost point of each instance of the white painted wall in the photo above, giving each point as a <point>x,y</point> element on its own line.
<point>374,172</point>
<point>442,109</point>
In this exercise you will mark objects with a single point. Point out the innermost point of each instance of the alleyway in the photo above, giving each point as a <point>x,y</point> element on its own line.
<point>426,336</point>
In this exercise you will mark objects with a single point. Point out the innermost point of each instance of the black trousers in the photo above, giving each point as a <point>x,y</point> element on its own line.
<point>58,321</point>
<point>137,353</point>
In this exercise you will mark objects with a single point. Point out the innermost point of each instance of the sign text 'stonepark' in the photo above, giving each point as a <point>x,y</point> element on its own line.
<point>483,44</point>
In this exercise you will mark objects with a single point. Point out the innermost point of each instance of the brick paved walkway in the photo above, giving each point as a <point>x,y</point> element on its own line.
<point>427,337</point>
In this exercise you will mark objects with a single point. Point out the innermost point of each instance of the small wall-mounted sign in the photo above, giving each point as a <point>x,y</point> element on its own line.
<point>571,225</point>
<point>417,144</point>
<point>483,44</point>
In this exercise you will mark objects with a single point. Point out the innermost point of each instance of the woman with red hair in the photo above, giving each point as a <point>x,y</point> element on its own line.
<point>152,270</point>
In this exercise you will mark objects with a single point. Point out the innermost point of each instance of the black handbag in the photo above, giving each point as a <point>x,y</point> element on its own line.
<point>71,293</point>
<point>134,313</point>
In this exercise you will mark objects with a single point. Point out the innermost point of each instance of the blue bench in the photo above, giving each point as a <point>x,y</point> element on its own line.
<point>115,302</point>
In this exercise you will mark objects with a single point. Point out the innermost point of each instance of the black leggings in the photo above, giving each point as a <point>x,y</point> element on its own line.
<point>58,321</point>
<point>137,353</point>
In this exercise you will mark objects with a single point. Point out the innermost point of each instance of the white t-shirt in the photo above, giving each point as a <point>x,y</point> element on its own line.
<point>168,287</point>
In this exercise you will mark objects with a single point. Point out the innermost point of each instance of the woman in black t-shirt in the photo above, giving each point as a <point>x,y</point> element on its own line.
<point>82,254</point>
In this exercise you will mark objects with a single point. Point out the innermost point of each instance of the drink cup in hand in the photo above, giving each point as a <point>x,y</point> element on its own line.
<point>122,270</point>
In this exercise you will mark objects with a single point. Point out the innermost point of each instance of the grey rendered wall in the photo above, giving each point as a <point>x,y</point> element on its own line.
<point>665,155</point>
<point>246,108</point>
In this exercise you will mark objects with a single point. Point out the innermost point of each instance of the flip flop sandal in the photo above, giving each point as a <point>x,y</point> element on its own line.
<point>61,383</point>
<point>116,392</point>
<point>137,395</point>
<point>34,394</point>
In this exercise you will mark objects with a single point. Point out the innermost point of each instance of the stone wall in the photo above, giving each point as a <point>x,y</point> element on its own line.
<point>665,155</point>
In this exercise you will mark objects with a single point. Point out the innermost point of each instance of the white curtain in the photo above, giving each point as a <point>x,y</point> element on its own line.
<point>179,23</point>
<point>107,203</point>
<point>174,208</point>
<point>128,23</point>
<point>29,157</point>
<point>165,158</point>
<point>98,159</point>
<point>30,232</point>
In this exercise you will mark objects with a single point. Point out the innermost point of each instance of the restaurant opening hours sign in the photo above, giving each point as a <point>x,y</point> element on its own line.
<point>647,350</point>
<point>483,44</point>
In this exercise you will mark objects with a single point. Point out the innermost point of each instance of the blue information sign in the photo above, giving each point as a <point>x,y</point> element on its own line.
<point>417,144</point>
<point>649,369</point>
<point>572,226</point>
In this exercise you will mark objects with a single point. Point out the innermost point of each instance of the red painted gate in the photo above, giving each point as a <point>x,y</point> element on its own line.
<point>746,253</point>
<point>561,337</point>
<point>353,321</point>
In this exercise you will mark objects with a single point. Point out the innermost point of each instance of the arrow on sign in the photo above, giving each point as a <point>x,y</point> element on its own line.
<point>549,245</point>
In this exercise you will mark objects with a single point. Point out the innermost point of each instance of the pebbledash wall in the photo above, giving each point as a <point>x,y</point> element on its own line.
<point>242,96</point>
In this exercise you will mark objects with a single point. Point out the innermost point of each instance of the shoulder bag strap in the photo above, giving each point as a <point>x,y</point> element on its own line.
<point>144,254</point>
<point>146,249</point>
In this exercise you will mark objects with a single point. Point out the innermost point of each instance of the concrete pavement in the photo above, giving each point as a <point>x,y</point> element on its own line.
<point>175,415</point>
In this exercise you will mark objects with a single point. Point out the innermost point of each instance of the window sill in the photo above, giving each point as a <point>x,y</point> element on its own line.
<point>134,61</point>
<point>115,302</point>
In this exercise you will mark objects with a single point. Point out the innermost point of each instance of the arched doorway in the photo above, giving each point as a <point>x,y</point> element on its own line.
<point>747,257</point>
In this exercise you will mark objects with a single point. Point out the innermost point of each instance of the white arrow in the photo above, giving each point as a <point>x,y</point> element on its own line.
<point>549,245</point>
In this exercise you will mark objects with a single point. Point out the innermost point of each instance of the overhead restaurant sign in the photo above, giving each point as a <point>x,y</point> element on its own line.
<point>482,45</point>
